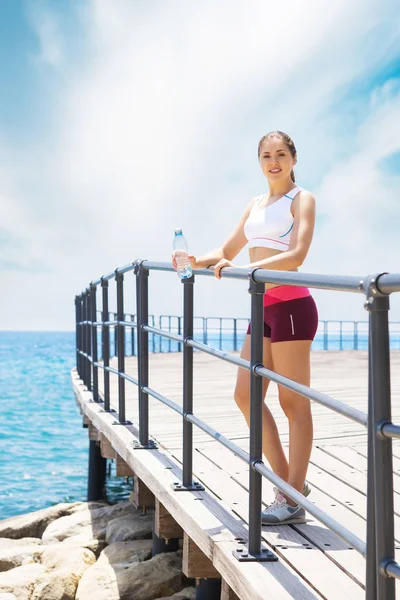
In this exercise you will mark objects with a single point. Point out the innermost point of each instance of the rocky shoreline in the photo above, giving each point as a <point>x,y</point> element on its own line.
<point>87,551</point>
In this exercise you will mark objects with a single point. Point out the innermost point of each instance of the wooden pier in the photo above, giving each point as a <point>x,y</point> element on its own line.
<point>313,561</point>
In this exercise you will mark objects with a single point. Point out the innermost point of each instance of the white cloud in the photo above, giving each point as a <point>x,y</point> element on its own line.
<point>159,122</point>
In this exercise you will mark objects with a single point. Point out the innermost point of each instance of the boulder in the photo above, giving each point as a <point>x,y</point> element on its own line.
<point>21,580</point>
<point>59,557</point>
<point>188,593</point>
<point>18,555</point>
<point>65,567</point>
<point>55,586</point>
<point>154,578</point>
<point>33,524</point>
<point>100,581</point>
<point>85,540</point>
<point>89,522</point>
<point>11,543</point>
<point>137,526</point>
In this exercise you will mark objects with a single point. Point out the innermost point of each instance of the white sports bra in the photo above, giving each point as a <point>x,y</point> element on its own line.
<point>271,226</point>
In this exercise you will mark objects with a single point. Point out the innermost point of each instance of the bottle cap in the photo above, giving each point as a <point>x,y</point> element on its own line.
<point>177,231</point>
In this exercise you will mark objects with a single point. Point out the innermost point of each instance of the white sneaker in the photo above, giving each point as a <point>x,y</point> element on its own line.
<point>281,513</point>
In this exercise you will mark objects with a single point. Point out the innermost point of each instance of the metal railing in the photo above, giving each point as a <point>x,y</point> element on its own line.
<point>228,333</point>
<point>381,567</point>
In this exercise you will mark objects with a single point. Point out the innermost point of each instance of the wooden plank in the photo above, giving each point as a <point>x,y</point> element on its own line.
<point>141,496</point>
<point>195,563</point>
<point>165,525</point>
<point>207,520</point>
<point>327,545</point>
<point>122,469</point>
<point>106,449</point>
<point>349,475</point>
<point>94,434</point>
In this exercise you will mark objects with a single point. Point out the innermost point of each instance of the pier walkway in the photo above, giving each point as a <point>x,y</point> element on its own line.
<point>313,561</point>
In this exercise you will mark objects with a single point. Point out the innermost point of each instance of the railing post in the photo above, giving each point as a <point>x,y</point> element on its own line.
<point>256,386</point>
<point>105,343</point>
<point>234,335</point>
<point>133,336</point>
<point>83,337</point>
<point>93,310</point>
<point>325,335</point>
<point>119,278</point>
<point>142,310</point>
<point>187,351</point>
<point>188,295</point>
<point>255,552</point>
<point>88,341</point>
<point>377,305</point>
<point>115,318</point>
<point>78,333</point>
<point>371,562</point>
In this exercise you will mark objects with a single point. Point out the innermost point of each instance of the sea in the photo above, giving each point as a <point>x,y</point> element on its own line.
<point>43,446</point>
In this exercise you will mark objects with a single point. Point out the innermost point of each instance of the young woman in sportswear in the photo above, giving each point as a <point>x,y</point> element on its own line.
<point>278,227</point>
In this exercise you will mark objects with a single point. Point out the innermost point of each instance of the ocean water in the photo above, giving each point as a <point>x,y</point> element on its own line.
<point>43,446</point>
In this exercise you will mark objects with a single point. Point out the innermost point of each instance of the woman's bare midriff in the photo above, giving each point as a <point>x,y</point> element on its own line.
<point>257,254</point>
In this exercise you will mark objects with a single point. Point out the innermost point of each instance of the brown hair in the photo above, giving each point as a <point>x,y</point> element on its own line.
<point>287,140</point>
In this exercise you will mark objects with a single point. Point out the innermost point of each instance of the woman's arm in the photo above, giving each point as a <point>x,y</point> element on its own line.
<point>300,240</point>
<point>230,248</point>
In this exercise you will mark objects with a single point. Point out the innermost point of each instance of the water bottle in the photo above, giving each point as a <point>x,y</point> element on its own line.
<point>181,255</point>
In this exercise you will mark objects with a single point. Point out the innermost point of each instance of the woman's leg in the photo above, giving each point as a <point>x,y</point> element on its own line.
<point>272,447</point>
<point>292,359</point>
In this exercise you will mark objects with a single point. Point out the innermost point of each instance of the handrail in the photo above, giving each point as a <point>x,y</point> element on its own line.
<point>381,567</point>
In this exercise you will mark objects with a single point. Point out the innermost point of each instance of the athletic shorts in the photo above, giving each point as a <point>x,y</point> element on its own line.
<point>290,313</point>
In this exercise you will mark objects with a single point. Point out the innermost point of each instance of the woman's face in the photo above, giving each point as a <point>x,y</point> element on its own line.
<point>275,159</point>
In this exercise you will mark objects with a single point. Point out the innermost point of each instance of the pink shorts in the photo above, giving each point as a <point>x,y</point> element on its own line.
<point>290,313</point>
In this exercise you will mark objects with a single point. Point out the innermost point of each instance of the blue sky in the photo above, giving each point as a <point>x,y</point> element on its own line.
<point>120,120</point>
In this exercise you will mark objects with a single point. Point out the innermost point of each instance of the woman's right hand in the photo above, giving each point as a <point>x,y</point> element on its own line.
<point>192,260</point>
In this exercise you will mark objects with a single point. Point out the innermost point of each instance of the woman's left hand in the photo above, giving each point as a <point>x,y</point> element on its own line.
<point>220,265</point>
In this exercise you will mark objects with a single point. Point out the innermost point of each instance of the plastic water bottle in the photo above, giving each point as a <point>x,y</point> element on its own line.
<point>181,255</point>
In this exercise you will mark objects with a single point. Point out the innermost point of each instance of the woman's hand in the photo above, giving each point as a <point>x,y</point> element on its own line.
<point>192,260</point>
<point>220,265</point>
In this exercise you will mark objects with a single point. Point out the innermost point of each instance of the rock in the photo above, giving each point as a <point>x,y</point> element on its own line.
<point>64,568</point>
<point>55,586</point>
<point>11,543</point>
<point>188,593</point>
<point>33,524</point>
<point>86,541</point>
<point>20,581</point>
<point>18,555</point>
<point>75,560</point>
<point>89,522</point>
<point>100,581</point>
<point>124,554</point>
<point>135,527</point>
<point>154,578</point>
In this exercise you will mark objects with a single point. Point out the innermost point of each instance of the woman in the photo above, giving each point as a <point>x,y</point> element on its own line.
<point>278,226</point>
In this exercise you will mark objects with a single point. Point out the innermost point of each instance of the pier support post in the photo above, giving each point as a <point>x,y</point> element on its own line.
<point>227,593</point>
<point>161,545</point>
<point>97,473</point>
<point>208,589</point>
